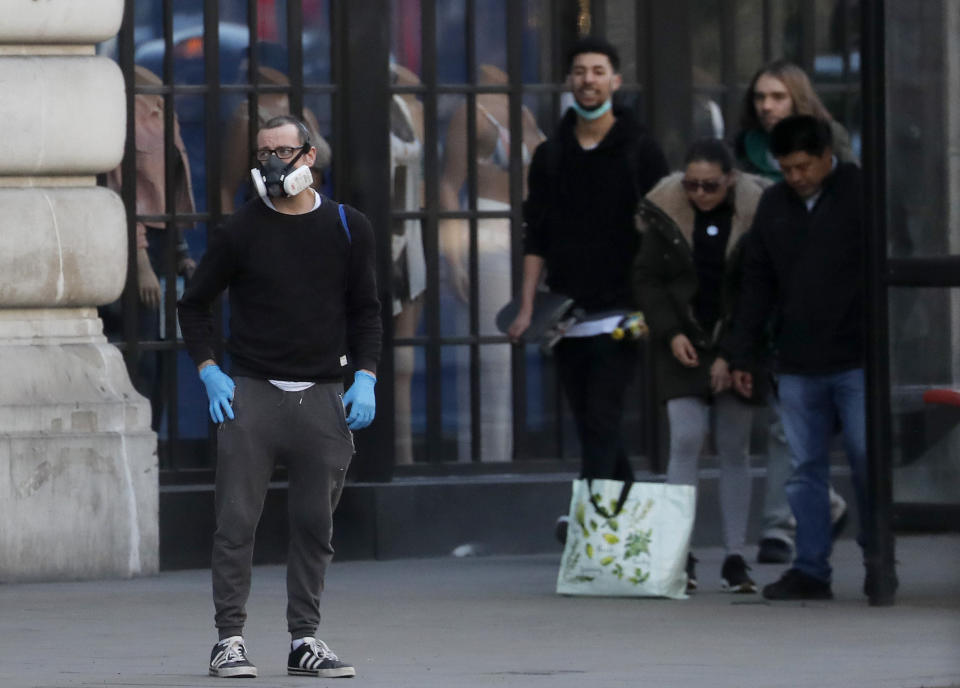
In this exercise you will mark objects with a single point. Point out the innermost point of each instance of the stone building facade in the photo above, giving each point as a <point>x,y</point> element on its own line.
<point>78,474</point>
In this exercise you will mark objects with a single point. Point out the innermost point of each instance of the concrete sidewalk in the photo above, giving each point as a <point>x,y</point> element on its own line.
<point>494,621</point>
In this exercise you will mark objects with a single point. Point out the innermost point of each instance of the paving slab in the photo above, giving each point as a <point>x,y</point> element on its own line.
<point>495,621</point>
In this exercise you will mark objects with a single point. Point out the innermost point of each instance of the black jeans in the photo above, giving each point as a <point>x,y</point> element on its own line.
<point>595,373</point>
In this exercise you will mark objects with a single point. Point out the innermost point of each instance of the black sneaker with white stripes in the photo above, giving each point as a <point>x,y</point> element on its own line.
<point>228,659</point>
<point>314,658</point>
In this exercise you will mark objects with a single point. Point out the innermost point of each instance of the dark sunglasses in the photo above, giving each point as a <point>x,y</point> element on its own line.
<point>709,186</point>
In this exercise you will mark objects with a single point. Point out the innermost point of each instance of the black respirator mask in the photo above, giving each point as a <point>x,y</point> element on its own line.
<point>278,179</point>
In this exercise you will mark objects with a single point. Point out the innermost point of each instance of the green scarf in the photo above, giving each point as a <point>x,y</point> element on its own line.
<point>756,144</point>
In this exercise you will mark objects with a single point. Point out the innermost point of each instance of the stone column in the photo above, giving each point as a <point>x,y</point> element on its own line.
<point>78,461</point>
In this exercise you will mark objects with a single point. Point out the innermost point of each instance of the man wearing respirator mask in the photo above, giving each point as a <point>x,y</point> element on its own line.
<point>303,298</point>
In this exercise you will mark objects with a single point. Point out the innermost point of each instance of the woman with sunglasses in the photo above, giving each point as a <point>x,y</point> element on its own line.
<point>686,280</point>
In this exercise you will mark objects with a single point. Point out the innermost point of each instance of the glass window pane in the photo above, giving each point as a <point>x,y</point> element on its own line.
<point>406,35</point>
<point>786,30</point>
<point>316,43</point>
<point>490,25</point>
<point>234,40</point>
<point>188,50</point>
<point>495,411</point>
<point>923,129</point>
<point>538,64</point>
<point>620,30</point>
<point>496,402</point>
<point>451,415</point>
<point>836,27</point>
<point>318,116</point>
<point>925,356</point>
<point>705,43</point>
<point>748,49</point>
<point>539,439</point>
<point>409,391</point>
<point>451,42</point>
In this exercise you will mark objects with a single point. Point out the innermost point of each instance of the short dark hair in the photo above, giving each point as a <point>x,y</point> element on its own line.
<point>593,44</point>
<point>800,133</point>
<point>710,150</point>
<point>284,120</point>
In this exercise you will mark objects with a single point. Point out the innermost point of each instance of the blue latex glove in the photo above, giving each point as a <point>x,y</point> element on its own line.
<point>361,401</point>
<point>219,392</point>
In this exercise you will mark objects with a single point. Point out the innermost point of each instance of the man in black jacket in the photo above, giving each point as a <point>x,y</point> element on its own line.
<point>303,301</point>
<point>584,184</point>
<point>804,266</point>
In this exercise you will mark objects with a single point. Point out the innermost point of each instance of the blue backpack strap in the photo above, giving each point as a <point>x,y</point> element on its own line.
<point>343,221</point>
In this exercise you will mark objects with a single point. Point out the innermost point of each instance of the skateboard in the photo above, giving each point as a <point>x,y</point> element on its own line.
<point>552,315</point>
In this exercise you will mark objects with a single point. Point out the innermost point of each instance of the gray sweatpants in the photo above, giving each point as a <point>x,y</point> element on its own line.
<point>307,432</point>
<point>689,426</point>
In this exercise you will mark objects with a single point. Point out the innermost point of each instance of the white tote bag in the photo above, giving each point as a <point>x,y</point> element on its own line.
<point>627,539</point>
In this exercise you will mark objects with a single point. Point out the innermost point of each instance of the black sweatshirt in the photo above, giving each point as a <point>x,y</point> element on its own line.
<point>804,268</point>
<point>302,294</point>
<point>579,213</point>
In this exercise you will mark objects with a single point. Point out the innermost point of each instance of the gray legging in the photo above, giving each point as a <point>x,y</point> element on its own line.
<point>689,426</point>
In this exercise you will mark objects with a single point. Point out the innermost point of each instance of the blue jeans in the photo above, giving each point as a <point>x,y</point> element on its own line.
<point>810,406</point>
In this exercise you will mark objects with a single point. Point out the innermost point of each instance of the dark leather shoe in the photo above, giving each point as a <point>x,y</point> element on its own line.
<point>871,584</point>
<point>774,551</point>
<point>796,585</point>
<point>560,529</point>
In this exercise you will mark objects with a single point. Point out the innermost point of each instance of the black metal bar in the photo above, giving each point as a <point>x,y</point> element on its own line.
<point>128,178</point>
<point>295,55</point>
<point>473,257</point>
<point>767,31</point>
<point>558,47</point>
<point>338,74</point>
<point>598,18</point>
<point>168,355</point>
<point>728,66</point>
<point>921,272</point>
<point>849,97</point>
<point>515,75</point>
<point>880,560</point>
<point>431,176</point>
<point>926,518</point>
<point>366,97</point>
<point>212,135</point>
<point>211,115</point>
<point>166,457</point>
<point>671,77</point>
<point>808,35</point>
<point>253,75</point>
<point>563,33</point>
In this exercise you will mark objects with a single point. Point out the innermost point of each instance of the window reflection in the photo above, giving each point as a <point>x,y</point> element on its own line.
<point>925,358</point>
<point>409,273</point>
<point>493,241</point>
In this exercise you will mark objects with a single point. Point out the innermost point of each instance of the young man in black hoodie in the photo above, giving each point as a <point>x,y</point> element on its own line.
<point>303,301</point>
<point>584,184</point>
<point>804,266</point>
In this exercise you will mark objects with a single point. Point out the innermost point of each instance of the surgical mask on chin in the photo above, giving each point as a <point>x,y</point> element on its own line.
<point>277,179</point>
<point>596,112</point>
